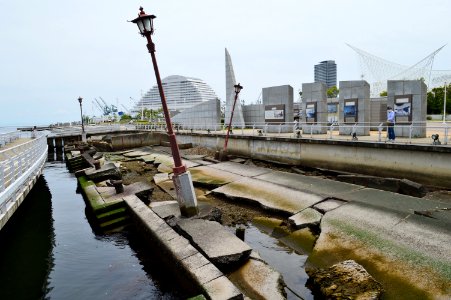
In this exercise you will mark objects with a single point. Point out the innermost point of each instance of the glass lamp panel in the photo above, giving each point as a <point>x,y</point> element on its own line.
<point>140,26</point>
<point>147,24</point>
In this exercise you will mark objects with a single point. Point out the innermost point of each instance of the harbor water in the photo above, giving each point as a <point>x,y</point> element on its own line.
<point>49,251</point>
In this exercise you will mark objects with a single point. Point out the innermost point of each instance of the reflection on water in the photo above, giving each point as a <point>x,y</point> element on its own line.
<point>282,258</point>
<point>48,250</point>
<point>26,244</point>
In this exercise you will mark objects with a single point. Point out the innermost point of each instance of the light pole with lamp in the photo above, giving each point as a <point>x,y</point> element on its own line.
<point>181,176</point>
<point>444,107</point>
<point>238,89</point>
<point>83,133</point>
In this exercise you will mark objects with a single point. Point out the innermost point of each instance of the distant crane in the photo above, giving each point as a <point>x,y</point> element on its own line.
<point>126,109</point>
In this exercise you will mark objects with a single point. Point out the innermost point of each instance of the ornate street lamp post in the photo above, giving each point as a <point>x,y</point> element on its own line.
<point>182,178</point>
<point>83,134</point>
<point>238,89</point>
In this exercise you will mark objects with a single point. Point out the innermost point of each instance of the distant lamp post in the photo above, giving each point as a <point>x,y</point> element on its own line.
<point>83,133</point>
<point>182,178</point>
<point>444,107</point>
<point>238,89</point>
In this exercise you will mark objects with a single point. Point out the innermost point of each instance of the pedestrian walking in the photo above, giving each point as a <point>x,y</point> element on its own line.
<point>390,124</point>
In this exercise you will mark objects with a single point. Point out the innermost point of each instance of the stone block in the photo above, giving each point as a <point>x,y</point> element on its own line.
<point>222,289</point>
<point>195,261</point>
<point>206,273</point>
<point>221,247</point>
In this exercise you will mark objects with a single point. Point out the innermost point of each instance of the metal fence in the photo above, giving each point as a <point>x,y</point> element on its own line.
<point>432,133</point>
<point>19,163</point>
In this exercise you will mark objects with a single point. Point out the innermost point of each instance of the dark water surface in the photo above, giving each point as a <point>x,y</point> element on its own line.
<point>48,250</point>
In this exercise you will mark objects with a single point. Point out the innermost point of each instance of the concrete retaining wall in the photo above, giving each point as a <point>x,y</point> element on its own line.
<point>127,141</point>
<point>425,164</point>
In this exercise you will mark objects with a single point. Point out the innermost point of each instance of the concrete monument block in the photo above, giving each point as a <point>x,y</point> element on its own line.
<point>354,107</point>
<point>314,107</point>
<point>278,108</point>
<point>409,100</point>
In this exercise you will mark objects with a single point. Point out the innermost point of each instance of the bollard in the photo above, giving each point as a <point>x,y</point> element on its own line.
<point>118,186</point>
<point>97,164</point>
<point>240,231</point>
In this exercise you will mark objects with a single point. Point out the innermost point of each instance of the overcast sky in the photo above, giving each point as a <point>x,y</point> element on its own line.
<point>52,52</point>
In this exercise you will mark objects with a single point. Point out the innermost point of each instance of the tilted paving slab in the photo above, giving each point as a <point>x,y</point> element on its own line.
<point>170,209</point>
<point>179,251</point>
<point>168,187</point>
<point>210,176</point>
<point>412,250</point>
<point>259,280</point>
<point>136,153</point>
<point>311,184</point>
<point>160,177</point>
<point>240,169</point>
<point>109,193</point>
<point>394,201</point>
<point>219,245</point>
<point>169,161</point>
<point>328,205</point>
<point>269,195</point>
<point>307,217</point>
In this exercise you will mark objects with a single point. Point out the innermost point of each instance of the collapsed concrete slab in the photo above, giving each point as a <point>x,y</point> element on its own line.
<point>259,280</point>
<point>207,176</point>
<point>107,171</point>
<point>314,185</point>
<point>243,170</point>
<point>269,195</point>
<point>190,264</point>
<point>141,189</point>
<point>328,205</point>
<point>346,280</point>
<point>393,245</point>
<point>220,246</point>
<point>307,217</point>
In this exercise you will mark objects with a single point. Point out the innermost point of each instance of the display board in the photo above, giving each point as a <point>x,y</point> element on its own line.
<point>332,112</point>
<point>350,111</point>
<point>310,112</point>
<point>275,113</point>
<point>403,109</point>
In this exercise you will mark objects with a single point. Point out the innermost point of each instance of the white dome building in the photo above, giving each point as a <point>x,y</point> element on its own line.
<point>181,93</point>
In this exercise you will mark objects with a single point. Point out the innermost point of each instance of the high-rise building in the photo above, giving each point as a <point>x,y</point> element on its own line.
<point>326,72</point>
<point>181,93</point>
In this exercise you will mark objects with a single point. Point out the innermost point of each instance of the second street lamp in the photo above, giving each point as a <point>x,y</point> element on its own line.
<point>83,134</point>
<point>182,178</point>
<point>238,89</point>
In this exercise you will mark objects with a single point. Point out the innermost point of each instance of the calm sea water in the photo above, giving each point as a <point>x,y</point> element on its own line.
<point>49,251</point>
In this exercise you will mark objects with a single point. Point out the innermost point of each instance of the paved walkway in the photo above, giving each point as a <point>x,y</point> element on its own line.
<point>382,230</point>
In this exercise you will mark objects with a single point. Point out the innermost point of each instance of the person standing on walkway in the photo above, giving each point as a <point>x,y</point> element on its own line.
<point>391,124</point>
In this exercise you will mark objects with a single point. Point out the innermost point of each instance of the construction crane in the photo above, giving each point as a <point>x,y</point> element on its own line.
<point>126,109</point>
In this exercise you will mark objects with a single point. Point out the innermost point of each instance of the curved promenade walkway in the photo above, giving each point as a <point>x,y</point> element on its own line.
<point>22,159</point>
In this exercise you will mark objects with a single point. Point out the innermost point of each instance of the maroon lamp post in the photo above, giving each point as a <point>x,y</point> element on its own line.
<point>182,178</point>
<point>238,89</point>
<point>83,135</point>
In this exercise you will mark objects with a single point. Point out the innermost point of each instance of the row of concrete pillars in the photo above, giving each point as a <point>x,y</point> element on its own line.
<point>59,142</point>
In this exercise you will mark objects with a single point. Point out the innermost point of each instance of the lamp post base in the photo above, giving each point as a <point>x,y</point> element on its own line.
<point>186,197</point>
<point>83,137</point>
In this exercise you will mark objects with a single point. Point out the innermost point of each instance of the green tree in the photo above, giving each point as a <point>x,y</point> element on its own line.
<point>383,94</point>
<point>435,99</point>
<point>332,92</point>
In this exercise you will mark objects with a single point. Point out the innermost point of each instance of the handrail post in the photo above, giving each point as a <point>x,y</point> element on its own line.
<point>445,141</point>
<point>410,133</point>
<point>379,128</point>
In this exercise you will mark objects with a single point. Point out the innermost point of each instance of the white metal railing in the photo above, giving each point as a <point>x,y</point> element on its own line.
<point>18,164</point>
<point>8,137</point>
<point>416,133</point>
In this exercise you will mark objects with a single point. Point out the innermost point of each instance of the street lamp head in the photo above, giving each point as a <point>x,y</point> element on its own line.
<point>238,88</point>
<point>80,99</point>
<point>144,22</point>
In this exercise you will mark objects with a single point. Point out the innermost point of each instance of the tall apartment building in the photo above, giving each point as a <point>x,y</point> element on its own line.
<point>181,93</point>
<point>326,72</point>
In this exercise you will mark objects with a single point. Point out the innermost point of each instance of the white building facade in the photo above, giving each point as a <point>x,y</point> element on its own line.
<point>181,93</point>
